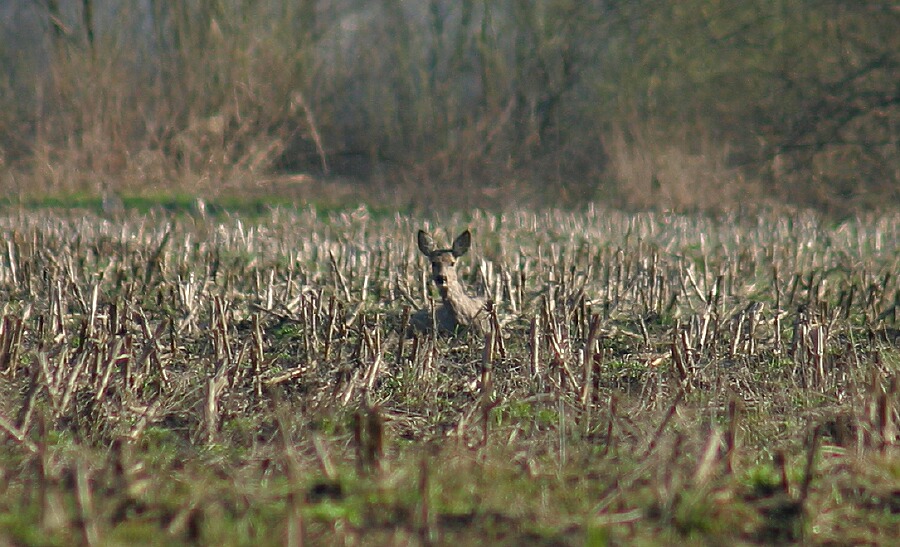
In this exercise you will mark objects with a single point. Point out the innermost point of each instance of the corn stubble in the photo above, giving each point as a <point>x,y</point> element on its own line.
<point>658,376</point>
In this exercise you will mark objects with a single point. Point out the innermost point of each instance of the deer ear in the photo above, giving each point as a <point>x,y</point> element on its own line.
<point>461,244</point>
<point>426,243</point>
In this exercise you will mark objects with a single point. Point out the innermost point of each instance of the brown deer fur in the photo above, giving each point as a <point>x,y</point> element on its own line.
<point>457,308</point>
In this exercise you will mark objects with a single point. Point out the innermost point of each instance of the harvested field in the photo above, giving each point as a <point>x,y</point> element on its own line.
<point>182,378</point>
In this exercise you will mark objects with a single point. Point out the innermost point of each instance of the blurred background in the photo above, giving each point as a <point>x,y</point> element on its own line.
<point>684,105</point>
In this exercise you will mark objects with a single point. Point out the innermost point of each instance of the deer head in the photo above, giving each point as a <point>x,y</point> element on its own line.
<point>443,261</point>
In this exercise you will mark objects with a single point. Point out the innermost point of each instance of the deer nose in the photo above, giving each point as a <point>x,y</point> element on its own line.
<point>440,280</point>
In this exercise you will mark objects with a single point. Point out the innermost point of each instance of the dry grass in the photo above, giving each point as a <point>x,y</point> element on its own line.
<point>182,378</point>
<point>656,170</point>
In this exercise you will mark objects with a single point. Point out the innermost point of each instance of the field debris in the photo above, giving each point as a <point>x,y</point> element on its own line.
<point>651,377</point>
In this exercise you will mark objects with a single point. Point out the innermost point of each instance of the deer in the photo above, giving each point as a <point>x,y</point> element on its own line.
<point>458,311</point>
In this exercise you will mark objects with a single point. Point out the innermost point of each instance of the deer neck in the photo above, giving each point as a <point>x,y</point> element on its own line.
<point>460,304</point>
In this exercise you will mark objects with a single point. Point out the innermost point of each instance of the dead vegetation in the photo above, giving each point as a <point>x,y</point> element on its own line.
<point>649,377</point>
